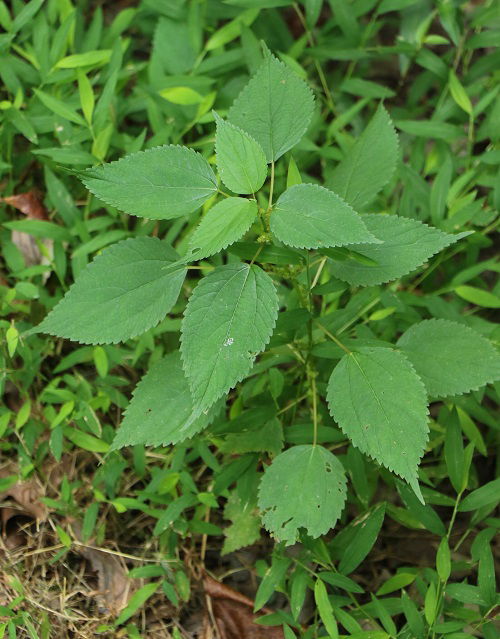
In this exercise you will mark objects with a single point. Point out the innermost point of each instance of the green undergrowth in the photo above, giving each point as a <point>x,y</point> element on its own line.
<point>280,355</point>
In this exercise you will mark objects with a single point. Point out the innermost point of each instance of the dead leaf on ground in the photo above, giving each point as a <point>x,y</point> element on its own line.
<point>27,506</point>
<point>113,585</point>
<point>233,614</point>
<point>30,203</point>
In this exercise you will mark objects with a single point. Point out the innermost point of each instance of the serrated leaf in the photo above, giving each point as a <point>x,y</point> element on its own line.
<point>370,163</point>
<point>124,292</point>
<point>380,403</point>
<point>304,487</point>
<point>160,408</point>
<point>310,216</point>
<point>450,358</point>
<point>275,108</point>
<point>241,161</point>
<point>245,527</point>
<point>406,245</point>
<point>223,224</point>
<point>160,183</point>
<point>228,321</point>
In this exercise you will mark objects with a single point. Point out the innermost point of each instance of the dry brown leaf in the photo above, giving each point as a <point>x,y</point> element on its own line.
<point>29,203</point>
<point>233,614</point>
<point>113,585</point>
<point>27,496</point>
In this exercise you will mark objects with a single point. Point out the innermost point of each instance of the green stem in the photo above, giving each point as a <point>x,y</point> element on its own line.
<point>267,213</point>
<point>319,70</point>
<point>442,584</point>
<point>312,376</point>
<point>334,339</point>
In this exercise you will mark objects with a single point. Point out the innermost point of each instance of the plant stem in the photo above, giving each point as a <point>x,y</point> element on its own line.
<point>334,339</point>
<point>442,584</point>
<point>271,189</point>
<point>319,70</point>
<point>314,407</point>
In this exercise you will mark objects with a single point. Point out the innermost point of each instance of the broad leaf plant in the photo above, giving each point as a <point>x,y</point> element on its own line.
<point>378,393</point>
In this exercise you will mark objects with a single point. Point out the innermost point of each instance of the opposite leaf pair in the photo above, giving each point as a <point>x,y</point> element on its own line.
<point>376,394</point>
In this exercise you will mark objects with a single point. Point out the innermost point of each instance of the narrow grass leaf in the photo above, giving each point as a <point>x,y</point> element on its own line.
<point>369,164</point>
<point>136,602</point>
<point>365,535</point>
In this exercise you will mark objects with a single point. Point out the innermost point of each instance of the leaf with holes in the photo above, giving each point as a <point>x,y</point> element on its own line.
<point>405,245</point>
<point>450,358</point>
<point>310,216</point>
<point>161,407</point>
<point>160,183</point>
<point>124,292</point>
<point>275,108</point>
<point>304,487</point>
<point>222,225</point>
<point>380,403</point>
<point>369,164</point>
<point>240,159</point>
<point>228,321</point>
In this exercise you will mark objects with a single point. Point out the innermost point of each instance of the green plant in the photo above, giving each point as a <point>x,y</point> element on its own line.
<point>378,393</point>
<point>84,83</point>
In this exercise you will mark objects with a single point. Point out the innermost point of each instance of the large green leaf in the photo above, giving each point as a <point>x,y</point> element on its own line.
<point>369,164</point>
<point>406,245</point>
<point>225,223</point>
<point>240,159</point>
<point>161,407</point>
<point>228,321</point>
<point>310,216</point>
<point>304,487</point>
<point>125,291</point>
<point>275,108</point>
<point>380,403</point>
<point>160,183</point>
<point>450,358</point>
